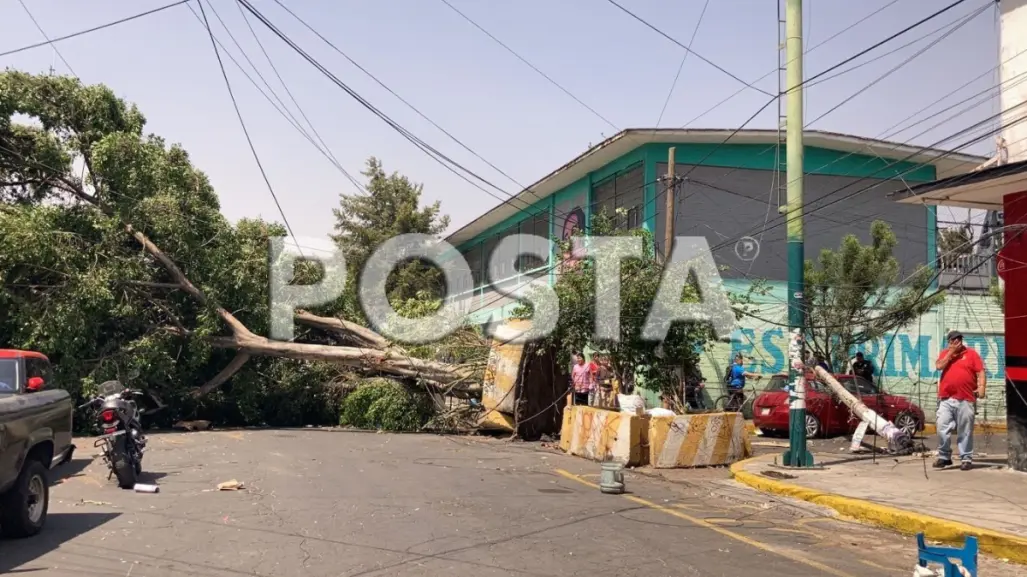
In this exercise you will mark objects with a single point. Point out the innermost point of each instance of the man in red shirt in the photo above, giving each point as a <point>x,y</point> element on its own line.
<point>963,381</point>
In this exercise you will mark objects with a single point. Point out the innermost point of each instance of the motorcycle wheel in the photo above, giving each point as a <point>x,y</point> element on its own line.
<point>124,467</point>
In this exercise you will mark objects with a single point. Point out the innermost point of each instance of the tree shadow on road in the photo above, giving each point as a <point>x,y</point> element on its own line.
<point>59,529</point>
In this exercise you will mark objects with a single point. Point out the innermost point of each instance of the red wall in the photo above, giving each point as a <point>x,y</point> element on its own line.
<point>1013,268</point>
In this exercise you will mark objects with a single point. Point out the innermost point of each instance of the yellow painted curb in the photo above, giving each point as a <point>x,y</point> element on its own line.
<point>1002,545</point>
<point>983,428</point>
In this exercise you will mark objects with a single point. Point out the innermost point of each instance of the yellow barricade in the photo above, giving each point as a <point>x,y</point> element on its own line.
<point>602,435</point>
<point>698,440</point>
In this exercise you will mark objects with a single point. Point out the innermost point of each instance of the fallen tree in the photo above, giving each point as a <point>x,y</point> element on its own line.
<point>85,166</point>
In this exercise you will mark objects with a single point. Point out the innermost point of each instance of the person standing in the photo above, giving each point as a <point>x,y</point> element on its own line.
<point>962,382</point>
<point>582,379</point>
<point>862,367</point>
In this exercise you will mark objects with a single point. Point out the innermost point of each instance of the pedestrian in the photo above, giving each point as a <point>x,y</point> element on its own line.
<point>962,382</point>
<point>604,382</point>
<point>861,367</point>
<point>821,362</point>
<point>736,376</point>
<point>582,379</point>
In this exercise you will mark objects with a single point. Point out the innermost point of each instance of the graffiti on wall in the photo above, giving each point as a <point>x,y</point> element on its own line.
<point>904,356</point>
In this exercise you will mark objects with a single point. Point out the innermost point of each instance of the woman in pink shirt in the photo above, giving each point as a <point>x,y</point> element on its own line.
<point>583,379</point>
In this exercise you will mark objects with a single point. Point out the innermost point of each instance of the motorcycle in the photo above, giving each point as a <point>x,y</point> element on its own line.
<point>122,441</point>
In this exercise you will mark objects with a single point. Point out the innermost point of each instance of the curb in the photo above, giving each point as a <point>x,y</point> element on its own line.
<point>1001,545</point>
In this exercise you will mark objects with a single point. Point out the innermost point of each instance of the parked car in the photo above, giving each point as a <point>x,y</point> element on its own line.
<point>35,435</point>
<point>826,415</point>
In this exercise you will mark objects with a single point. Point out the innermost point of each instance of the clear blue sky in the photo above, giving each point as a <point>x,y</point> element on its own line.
<point>478,91</point>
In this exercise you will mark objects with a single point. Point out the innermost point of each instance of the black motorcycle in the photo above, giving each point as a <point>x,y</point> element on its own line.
<point>122,441</point>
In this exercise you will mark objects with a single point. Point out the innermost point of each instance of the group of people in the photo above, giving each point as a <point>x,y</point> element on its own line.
<point>963,382</point>
<point>592,381</point>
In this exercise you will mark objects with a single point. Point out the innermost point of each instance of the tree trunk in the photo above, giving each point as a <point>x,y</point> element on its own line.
<point>897,438</point>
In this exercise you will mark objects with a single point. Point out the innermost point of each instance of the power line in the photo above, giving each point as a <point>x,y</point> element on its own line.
<point>242,122</point>
<point>885,41</point>
<point>48,41</point>
<point>687,49</point>
<point>681,66</point>
<point>398,97</point>
<point>278,108</point>
<point>529,64</point>
<point>912,57</point>
<point>921,38</point>
<point>285,108</point>
<point>453,166</point>
<point>775,70</point>
<point>89,30</point>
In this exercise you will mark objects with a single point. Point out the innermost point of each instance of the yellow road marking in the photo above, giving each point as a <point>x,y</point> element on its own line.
<point>725,532</point>
<point>236,436</point>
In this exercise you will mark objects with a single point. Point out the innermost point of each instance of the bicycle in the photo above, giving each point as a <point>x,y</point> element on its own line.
<point>736,401</point>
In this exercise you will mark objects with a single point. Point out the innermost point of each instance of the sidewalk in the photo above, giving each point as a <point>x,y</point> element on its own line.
<point>907,495</point>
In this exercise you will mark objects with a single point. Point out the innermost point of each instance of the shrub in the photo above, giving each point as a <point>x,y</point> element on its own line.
<point>387,405</point>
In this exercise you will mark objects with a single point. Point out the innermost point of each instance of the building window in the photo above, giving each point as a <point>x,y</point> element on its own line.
<point>473,258</point>
<point>538,226</point>
<point>490,247</point>
<point>621,197</point>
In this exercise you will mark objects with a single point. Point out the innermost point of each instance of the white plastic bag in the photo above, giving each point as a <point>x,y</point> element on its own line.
<point>632,404</point>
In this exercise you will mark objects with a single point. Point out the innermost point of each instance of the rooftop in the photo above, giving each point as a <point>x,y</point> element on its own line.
<point>981,189</point>
<point>946,163</point>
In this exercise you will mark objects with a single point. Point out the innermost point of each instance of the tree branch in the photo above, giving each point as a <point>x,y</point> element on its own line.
<point>184,283</point>
<point>233,367</point>
<point>345,329</point>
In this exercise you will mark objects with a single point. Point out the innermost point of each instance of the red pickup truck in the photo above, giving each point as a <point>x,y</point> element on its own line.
<point>35,434</point>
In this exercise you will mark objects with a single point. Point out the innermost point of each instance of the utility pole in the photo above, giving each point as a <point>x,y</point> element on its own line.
<point>797,454</point>
<point>669,212</point>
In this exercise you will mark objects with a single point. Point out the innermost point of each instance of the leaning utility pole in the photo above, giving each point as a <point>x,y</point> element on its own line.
<point>669,211</point>
<point>797,454</point>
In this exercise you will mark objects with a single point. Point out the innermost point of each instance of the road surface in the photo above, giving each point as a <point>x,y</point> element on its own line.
<point>362,504</point>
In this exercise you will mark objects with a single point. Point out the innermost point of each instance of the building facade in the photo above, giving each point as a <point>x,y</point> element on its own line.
<point>732,186</point>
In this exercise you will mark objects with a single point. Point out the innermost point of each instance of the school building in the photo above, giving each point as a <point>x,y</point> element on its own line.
<point>733,184</point>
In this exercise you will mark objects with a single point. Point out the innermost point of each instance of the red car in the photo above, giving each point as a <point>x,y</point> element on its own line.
<point>825,414</point>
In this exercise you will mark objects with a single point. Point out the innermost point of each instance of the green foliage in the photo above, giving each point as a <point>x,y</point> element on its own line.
<point>385,404</point>
<point>75,167</point>
<point>854,294</point>
<point>390,208</point>
<point>631,356</point>
<point>954,242</point>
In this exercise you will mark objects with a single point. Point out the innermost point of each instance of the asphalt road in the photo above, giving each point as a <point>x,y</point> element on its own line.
<point>363,504</point>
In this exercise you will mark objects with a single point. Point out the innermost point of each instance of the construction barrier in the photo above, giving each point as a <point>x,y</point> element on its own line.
<point>604,435</point>
<point>501,374</point>
<point>698,440</point>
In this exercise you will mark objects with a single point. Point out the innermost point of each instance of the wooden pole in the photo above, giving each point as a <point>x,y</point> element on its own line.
<point>668,241</point>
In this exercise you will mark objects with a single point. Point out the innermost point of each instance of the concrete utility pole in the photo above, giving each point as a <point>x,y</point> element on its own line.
<point>668,232</point>
<point>1013,103</point>
<point>797,454</point>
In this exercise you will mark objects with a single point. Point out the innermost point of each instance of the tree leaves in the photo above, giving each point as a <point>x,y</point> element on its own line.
<point>854,294</point>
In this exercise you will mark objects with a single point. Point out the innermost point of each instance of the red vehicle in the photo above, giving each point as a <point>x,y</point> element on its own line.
<point>825,414</point>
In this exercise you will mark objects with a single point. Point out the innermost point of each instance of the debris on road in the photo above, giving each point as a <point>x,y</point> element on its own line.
<point>232,485</point>
<point>144,488</point>
<point>191,426</point>
<point>91,502</point>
